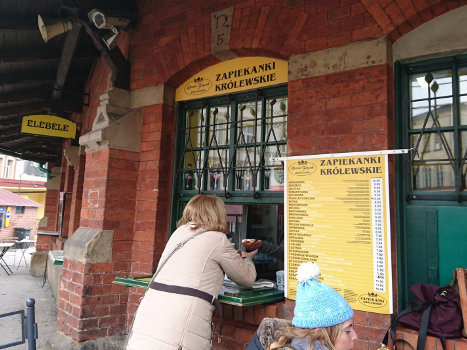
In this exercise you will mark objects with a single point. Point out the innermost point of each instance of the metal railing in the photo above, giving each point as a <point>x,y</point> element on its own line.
<point>28,326</point>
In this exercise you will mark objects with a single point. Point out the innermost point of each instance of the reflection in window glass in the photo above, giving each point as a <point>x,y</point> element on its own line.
<point>427,176</point>
<point>440,99</point>
<point>439,177</point>
<point>429,146</point>
<point>219,121</point>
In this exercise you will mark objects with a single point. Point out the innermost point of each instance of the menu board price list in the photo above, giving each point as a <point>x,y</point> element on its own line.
<point>337,216</point>
<point>378,233</point>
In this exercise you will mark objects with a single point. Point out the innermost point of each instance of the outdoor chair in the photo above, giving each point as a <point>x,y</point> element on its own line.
<point>12,250</point>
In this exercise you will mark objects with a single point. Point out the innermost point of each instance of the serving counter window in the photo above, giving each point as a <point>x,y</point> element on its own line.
<point>230,146</point>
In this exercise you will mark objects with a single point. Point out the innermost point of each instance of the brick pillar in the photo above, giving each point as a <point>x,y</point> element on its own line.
<point>90,306</point>
<point>154,185</point>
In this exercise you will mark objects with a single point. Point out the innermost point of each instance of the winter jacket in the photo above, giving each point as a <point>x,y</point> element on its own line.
<point>270,329</point>
<point>172,321</point>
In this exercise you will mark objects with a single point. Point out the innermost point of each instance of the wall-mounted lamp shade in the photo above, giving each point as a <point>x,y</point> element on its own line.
<point>48,31</point>
<point>97,18</point>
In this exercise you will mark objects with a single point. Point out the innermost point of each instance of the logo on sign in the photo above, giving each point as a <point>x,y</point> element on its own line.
<point>198,86</point>
<point>302,168</point>
<point>372,299</point>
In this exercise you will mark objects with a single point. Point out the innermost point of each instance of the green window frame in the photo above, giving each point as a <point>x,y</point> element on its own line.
<point>431,121</point>
<point>433,125</point>
<point>229,145</point>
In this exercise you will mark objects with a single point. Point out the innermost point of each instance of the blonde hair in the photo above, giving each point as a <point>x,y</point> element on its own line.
<point>327,336</point>
<point>205,211</point>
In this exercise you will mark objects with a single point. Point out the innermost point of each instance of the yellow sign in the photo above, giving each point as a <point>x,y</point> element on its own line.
<point>48,125</point>
<point>337,215</point>
<point>234,75</point>
<point>7,216</point>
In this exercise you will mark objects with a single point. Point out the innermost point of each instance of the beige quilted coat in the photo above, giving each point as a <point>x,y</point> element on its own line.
<point>172,321</point>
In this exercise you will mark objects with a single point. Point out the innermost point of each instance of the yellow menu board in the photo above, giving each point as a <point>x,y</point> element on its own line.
<point>337,215</point>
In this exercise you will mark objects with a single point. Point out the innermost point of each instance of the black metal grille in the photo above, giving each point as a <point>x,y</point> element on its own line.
<point>437,134</point>
<point>231,146</point>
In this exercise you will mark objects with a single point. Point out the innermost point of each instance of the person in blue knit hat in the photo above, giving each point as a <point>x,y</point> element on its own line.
<point>322,319</point>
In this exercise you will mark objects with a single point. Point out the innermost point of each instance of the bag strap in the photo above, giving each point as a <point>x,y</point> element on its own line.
<point>414,306</point>
<point>423,328</point>
<point>190,292</point>
<point>177,247</point>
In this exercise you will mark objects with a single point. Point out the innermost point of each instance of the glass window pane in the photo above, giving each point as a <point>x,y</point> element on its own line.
<point>440,86</point>
<point>276,114</point>
<point>440,116</point>
<point>462,72</point>
<point>463,110</point>
<point>249,122</point>
<point>418,112</point>
<point>195,122</point>
<point>248,157</point>
<point>463,150</point>
<point>437,176</point>
<point>431,146</point>
<point>247,165</point>
<point>219,121</point>
<point>463,92</point>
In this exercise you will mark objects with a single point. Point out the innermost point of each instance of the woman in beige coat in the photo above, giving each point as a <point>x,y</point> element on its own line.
<point>167,318</point>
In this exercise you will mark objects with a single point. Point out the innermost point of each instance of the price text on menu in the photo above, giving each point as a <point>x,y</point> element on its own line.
<point>337,215</point>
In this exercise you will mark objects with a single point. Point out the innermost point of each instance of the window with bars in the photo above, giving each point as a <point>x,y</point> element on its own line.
<point>436,125</point>
<point>232,145</point>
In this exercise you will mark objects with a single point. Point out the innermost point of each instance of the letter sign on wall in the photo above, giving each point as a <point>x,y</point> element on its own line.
<point>48,125</point>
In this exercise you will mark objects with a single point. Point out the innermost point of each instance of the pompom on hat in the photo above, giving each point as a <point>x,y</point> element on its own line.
<point>317,305</point>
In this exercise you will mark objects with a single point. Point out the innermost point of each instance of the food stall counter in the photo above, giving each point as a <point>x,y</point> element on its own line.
<point>229,295</point>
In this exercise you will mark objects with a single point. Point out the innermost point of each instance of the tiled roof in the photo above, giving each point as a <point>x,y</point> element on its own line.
<point>12,199</point>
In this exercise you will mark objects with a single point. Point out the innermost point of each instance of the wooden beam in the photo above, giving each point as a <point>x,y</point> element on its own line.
<point>68,106</point>
<point>16,23</point>
<point>46,52</point>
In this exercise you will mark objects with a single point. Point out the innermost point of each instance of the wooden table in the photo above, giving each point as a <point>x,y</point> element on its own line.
<point>4,248</point>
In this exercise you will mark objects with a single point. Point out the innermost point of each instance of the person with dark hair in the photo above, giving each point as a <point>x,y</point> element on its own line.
<point>176,311</point>
<point>322,319</point>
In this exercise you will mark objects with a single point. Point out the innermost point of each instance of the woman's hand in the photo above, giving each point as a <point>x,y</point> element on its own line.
<point>248,254</point>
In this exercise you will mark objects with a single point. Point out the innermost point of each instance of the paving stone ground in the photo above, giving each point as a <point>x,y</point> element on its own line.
<point>14,291</point>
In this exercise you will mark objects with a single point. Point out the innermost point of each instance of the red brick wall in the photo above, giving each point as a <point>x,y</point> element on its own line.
<point>341,112</point>
<point>154,188</point>
<point>90,305</point>
<point>27,219</point>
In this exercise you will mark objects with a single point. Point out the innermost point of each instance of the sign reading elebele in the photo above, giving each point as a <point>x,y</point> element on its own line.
<point>49,125</point>
<point>239,74</point>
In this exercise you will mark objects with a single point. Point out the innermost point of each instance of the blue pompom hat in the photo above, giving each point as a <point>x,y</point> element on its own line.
<point>317,305</point>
